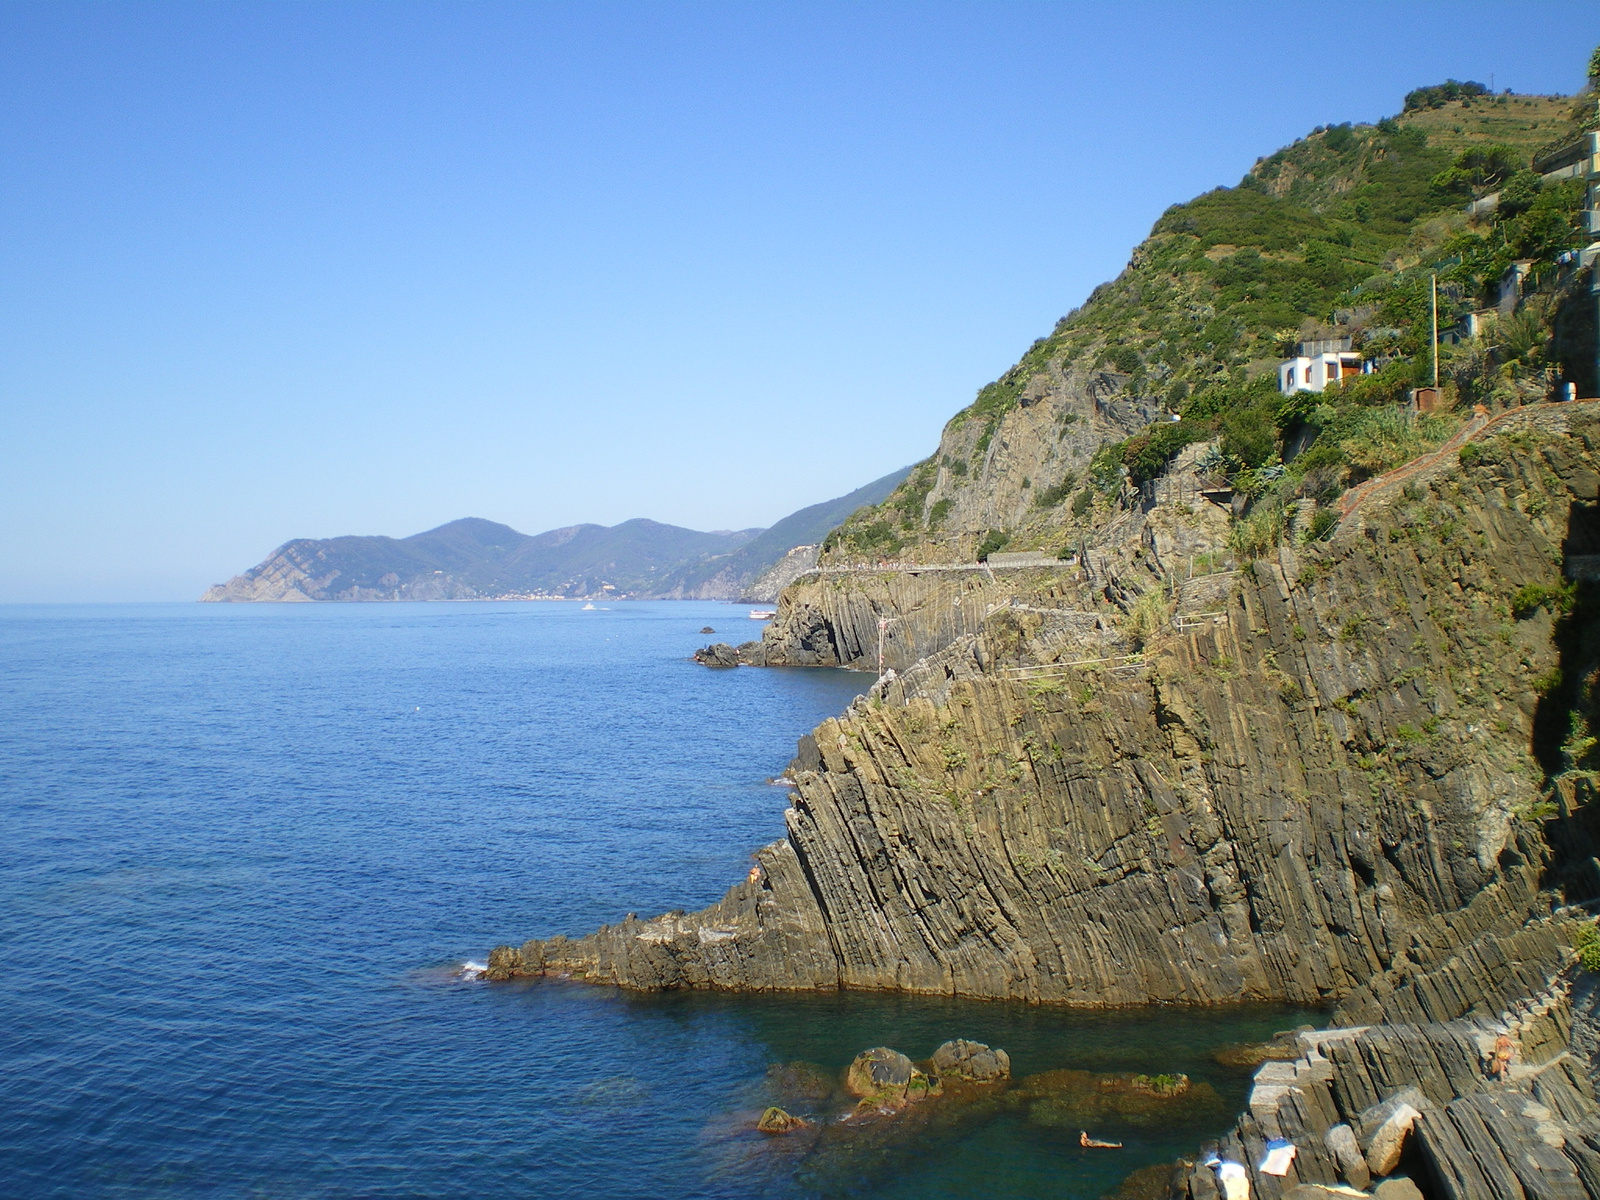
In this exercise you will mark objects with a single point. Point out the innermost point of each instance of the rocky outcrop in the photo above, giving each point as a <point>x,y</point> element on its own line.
<point>1322,790</point>
<point>833,620</point>
<point>971,1061</point>
<point>718,654</point>
<point>1424,1101</point>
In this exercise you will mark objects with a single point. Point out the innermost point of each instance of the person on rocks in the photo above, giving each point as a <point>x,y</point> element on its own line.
<point>1500,1060</point>
<point>1095,1143</point>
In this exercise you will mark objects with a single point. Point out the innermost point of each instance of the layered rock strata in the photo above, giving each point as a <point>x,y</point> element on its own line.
<point>1323,788</point>
<point>1426,1102</point>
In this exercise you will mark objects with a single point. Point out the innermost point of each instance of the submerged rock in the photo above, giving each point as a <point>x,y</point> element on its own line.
<point>801,1085</point>
<point>707,629</point>
<point>1147,1183</point>
<point>1079,1099</point>
<point>972,1061</point>
<point>873,1145</point>
<point>1283,1047</point>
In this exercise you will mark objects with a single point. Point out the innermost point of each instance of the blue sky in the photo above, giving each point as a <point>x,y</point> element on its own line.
<point>279,270</point>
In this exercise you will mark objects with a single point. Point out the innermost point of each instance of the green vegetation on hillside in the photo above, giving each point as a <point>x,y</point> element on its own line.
<point>1339,234</point>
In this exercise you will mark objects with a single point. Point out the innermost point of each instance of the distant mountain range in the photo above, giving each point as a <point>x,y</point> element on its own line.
<point>474,559</point>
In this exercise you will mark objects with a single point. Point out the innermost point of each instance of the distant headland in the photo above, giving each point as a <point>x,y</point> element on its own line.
<point>475,559</point>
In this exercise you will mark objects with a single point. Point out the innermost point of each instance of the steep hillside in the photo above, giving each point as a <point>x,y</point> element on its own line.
<point>1337,236</point>
<point>1287,723</point>
<point>1303,704</point>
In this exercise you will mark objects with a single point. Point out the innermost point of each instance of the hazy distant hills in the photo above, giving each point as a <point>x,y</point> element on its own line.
<point>474,559</point>
<point>745,571</point>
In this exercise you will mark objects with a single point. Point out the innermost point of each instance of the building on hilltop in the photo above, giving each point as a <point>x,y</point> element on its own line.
<point>1318,363</point>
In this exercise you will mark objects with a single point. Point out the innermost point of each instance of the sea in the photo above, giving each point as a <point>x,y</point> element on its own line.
<point>251,857</point>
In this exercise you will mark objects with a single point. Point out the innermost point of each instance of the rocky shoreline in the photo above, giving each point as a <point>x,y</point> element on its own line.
<point>1307,781</point>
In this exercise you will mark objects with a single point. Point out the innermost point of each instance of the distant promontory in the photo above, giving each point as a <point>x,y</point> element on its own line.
<point>475,559</point>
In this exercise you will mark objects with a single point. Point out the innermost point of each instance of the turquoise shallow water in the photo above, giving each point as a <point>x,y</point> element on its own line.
<point>248,849</point>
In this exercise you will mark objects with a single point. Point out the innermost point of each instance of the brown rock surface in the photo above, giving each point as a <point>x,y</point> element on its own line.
<point>1309,800</point>
<point>776,1121</point>
<point>971,1061</point>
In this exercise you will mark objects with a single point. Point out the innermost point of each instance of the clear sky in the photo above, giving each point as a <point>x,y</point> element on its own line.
<point>280,270</point>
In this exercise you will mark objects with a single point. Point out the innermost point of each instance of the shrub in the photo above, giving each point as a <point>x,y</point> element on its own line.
<point>1147,617</point>
<point>1260,531</point>
<point>1322,524</point>
<point>1057,492</point>
<point>1147,454</point>
<point>1469,455</point>
<point>1440,94</point>
<point>939,511</point>
<point>1531,597</point>
<point>1250,435</point>
<point>1586,941</point>
<point>1123,358</point>
<point>992,541</point>
<point>1105,468</point>
<point>1519,192</point>
<point>1081,502</point>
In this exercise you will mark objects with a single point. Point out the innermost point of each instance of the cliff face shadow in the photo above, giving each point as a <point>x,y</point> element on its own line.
<point>1568,709</point>
<point>1576,334</point>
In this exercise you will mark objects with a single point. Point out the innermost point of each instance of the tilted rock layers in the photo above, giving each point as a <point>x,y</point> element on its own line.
<point>1324,790</point>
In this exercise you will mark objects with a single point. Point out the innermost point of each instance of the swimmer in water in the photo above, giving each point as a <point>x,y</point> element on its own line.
<point>1095,1143</point>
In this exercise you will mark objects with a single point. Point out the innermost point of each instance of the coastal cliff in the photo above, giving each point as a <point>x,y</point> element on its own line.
<point>1290,694</point>
<point>1282,802</point>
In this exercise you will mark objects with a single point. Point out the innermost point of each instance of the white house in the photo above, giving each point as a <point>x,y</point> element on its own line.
<point>1317,364</point>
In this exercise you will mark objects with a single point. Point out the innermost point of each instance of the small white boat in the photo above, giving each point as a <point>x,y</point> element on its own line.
<point>587,608</point>
<point>763,614</point>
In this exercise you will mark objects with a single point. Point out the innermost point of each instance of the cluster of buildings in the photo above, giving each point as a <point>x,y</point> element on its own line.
<point>1319,362</point>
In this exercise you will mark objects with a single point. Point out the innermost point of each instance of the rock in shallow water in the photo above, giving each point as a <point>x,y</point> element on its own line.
<point>973,1061</point>
<point>1078,1099</point>
<point>876,1069</point>
<point>1284,1047</point>
<point>887,1081</point>
<point>775,1120</point>
<point>718,654</point>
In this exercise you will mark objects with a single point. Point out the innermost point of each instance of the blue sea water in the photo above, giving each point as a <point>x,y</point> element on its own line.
<point>248,850</point>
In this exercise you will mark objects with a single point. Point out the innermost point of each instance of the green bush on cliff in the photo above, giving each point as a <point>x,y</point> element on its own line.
<point>1057,492</point>
<point>1531,597</point>
<point>992,542</point>
<point>1440,94</point>
<point>1586,941</point>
